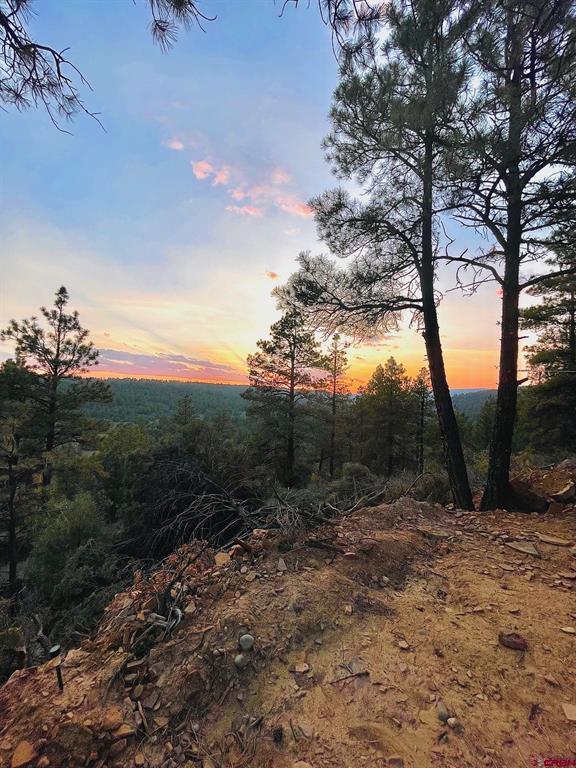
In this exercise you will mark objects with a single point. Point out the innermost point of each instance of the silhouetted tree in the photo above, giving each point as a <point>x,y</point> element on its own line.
<point>57,352</point>
<point>281,379</point>
<point>392,119</point>
<point>336,363</point>
<point>514,172</point>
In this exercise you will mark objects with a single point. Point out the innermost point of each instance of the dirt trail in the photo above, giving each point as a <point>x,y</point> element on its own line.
<point>368,633</point>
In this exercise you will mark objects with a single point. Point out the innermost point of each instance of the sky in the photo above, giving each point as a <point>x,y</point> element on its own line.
<point>171,226</point>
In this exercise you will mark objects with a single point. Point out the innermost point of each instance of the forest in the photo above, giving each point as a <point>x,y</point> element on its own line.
<point>133,509</point>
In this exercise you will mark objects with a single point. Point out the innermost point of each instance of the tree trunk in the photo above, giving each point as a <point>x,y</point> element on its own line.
<point>572,334</point>
<point>496,493</point>
<point>455,463</point>
<point>333,427</point>
<point>420,434</point>
<point>291,419</point>
<point>12,535</point>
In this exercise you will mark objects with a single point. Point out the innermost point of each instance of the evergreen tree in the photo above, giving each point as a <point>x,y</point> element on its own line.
<point>554,320</point>
<point>387,409</point>
<point>423,397</point>
<point>57,352</point>
<point>281,380</point>
<point>336,363</point>
<point>514,173</point>
<point>393,117</point>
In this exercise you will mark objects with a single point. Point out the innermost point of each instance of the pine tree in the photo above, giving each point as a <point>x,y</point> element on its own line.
<point>281,379</point>
<point>392,120</point>
<point>514,173</point>
<point>336,363</point>
<point>57,352</point>
<point>554,320</point>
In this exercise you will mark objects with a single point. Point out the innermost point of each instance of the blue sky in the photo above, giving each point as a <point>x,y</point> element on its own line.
<point>171,227</point>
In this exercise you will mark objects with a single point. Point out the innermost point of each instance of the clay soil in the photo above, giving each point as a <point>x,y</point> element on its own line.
<point>370,631</point>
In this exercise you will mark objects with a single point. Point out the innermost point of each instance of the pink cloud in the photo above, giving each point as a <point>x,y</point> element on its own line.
<point>280,176</point>
<point>293,206</point>
<point>222,176</point>
<point>202,169</point>
<point>174,144</point>
<point>272,275</point>
<point>238,194</point>
<point>245,210</point>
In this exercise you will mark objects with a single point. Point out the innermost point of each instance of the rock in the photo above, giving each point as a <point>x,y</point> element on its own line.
<point>524,497</point>
<point>569,712</point>
<point>552,681</point>
<point>452,722</point>
<point>190,608</point>
<point>301,668</point>
<point>395,761</point>
<point>118,747</point>
<point>442,711</point>
<point>23,755</point>
<point>139,759</point>
<point>403,645</point>
<point>526,547</point>
<point>246,642</point>
<point>348,609</point>
<point>124,731</point>
<point>113,718</point>
<point>553,540</point>
<point>44,762</point>
<point>281,567</point>
<point>566,494</point>
<point>568,630</point>
<point>513,640</point>
<point>221,558</point>
<point>241,660</point>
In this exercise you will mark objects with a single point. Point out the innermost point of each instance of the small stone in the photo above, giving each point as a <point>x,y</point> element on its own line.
<point>281,565</point>
<point>552,681</point>
<point>569,712</point>
<point>301,668</point>
<point>118,747</point>
<point>513,640</point>
<point>395,761</point>
<point>124,731</point>
<point>568,630</point>
<point>23,754</point>
<point>452,722</point>
<point>221,558</point>
<point>403,645</point>
<point>442,711</point>
<point>113,718</point>
<point>241,660</point>
<point>246,642</point>
<point>44,762</point>
<point>139,759</point>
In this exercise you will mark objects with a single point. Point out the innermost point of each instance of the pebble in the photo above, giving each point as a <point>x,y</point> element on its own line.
<point>246,642</point>
<point>452,722</point>
<point>241,660</point>
<point>443,714</point>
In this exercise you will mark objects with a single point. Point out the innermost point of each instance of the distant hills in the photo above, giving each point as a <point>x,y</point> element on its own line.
<point>148,400</point>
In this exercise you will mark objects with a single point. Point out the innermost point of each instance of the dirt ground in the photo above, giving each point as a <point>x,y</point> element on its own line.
<point>376,643</point>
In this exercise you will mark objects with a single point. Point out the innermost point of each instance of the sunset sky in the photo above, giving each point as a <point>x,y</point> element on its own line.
<point>171,227</point>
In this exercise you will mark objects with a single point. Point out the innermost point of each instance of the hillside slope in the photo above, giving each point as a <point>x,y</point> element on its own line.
<point>369,632</point>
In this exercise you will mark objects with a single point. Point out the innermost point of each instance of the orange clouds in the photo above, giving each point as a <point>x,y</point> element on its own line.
<point>272,275</point>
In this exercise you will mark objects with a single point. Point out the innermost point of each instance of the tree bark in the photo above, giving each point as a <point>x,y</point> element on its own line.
<point>455,463</point>
<point>333,423</point>
<point>496,492</point>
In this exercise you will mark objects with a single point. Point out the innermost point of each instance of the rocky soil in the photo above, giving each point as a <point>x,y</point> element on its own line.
<point>400,635</point>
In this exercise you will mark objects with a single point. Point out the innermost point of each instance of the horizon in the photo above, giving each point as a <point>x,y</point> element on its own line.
<point>214,149</point>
